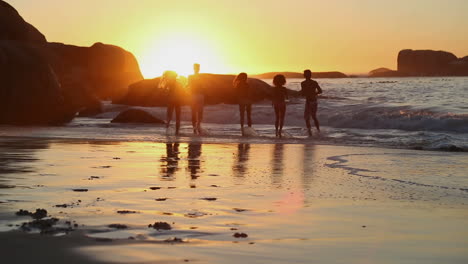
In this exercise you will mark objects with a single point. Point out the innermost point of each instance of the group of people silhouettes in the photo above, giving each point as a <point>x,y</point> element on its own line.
<point>310,89</point>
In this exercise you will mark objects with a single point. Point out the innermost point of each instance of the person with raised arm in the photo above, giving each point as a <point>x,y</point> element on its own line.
<point>310,89</point>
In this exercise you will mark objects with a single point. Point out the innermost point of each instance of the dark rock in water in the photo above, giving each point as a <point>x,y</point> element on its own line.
<point>126,212</point>
<point>161,226</point>
<point>240,235</point>
<point>174,240</point>
<point>137,116</point>
<point>209,199</point>
<point>80,190</point>
<point>29,91</point>
<point>45,225</point>
<point>218,89</point>
<point>118,226</point>
<point>300,75</point>
<point>13,26</point>
<point>39,214</point>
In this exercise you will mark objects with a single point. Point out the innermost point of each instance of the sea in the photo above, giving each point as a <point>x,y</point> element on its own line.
<point>420,113</point>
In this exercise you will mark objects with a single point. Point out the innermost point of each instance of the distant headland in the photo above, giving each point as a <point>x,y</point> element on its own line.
<point>425,63</point>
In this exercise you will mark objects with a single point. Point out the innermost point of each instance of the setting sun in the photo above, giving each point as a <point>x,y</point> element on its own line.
<point>178,51</point>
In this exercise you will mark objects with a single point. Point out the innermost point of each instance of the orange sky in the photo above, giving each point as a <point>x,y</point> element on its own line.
<point>352,36</point>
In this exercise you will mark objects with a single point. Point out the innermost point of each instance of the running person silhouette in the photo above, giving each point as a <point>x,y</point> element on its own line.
<point>310,89</point>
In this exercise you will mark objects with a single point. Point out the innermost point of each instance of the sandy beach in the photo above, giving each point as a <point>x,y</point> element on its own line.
<point>231,202</point>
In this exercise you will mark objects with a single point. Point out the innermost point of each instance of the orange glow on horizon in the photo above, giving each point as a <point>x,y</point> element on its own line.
<point>352,36</point>
<point>178,51</point>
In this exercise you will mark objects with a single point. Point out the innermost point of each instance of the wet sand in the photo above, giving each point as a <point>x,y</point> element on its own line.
<point>230,203</point>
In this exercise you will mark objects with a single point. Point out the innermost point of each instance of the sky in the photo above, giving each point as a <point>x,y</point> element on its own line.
<point>256,36</point>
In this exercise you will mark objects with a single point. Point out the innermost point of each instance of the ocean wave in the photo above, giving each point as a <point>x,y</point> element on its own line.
<point>401,118</point>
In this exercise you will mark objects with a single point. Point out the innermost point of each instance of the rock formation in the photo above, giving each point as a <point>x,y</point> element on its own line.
<point>137,116</point>
<point>218,89</point>
<point>43,83</point>
<point>299,75</point>
<point>108,70</point>
<point>430,63</point>
<point>29,90</point>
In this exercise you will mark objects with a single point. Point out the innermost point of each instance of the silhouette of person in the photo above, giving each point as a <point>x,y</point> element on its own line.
<point>310,89</point>
<point>243,97</point>
<point>280,94</point>
<point>198,98</point>
<point>174,97</point>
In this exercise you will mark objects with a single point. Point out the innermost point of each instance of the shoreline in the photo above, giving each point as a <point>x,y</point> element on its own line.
<point>294,202</point>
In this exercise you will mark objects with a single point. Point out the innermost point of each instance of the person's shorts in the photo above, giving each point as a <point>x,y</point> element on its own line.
<point>198,99</point>
<point>310,108</point>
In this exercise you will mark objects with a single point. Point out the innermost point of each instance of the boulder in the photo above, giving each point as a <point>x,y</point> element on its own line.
<point>109,70</point>
<point>425,63</point>
<point>29,90</point>
<point>137,116</point>
<point>13,26</point>
<point>218,90</point>
<point>300,75</point>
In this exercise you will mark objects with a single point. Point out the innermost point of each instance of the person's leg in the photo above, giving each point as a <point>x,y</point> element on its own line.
<point>170,108</point>
<point>277,116</point>
<point>241,112</point>
<point>282,115</point>
<point>314,116</point>
<point>200,116</point>
<point>249,115</point>
<point>307,114</point>
<point>177,110</point>
<point>194,115</point>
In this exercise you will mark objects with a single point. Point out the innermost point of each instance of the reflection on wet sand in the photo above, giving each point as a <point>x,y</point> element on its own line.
<point>170,162</point>
<point>240,165</point>
<point>277,165</point>
<point>309,166</point>
<point>281,195</point>
<point>15,154</point>
<point>194,153</point>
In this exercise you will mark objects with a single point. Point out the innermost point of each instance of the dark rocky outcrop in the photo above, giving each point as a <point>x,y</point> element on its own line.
<point>218,89</point>
<point>299,75</point>
<point>13,26</point>
<point>107,70</point>
<point>137,116</point>
<point>430,63</point>
<point>29,90</point>
<point>46,83</point>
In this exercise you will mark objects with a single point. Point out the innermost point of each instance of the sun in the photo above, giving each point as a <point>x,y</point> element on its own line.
<point>178,52</point>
